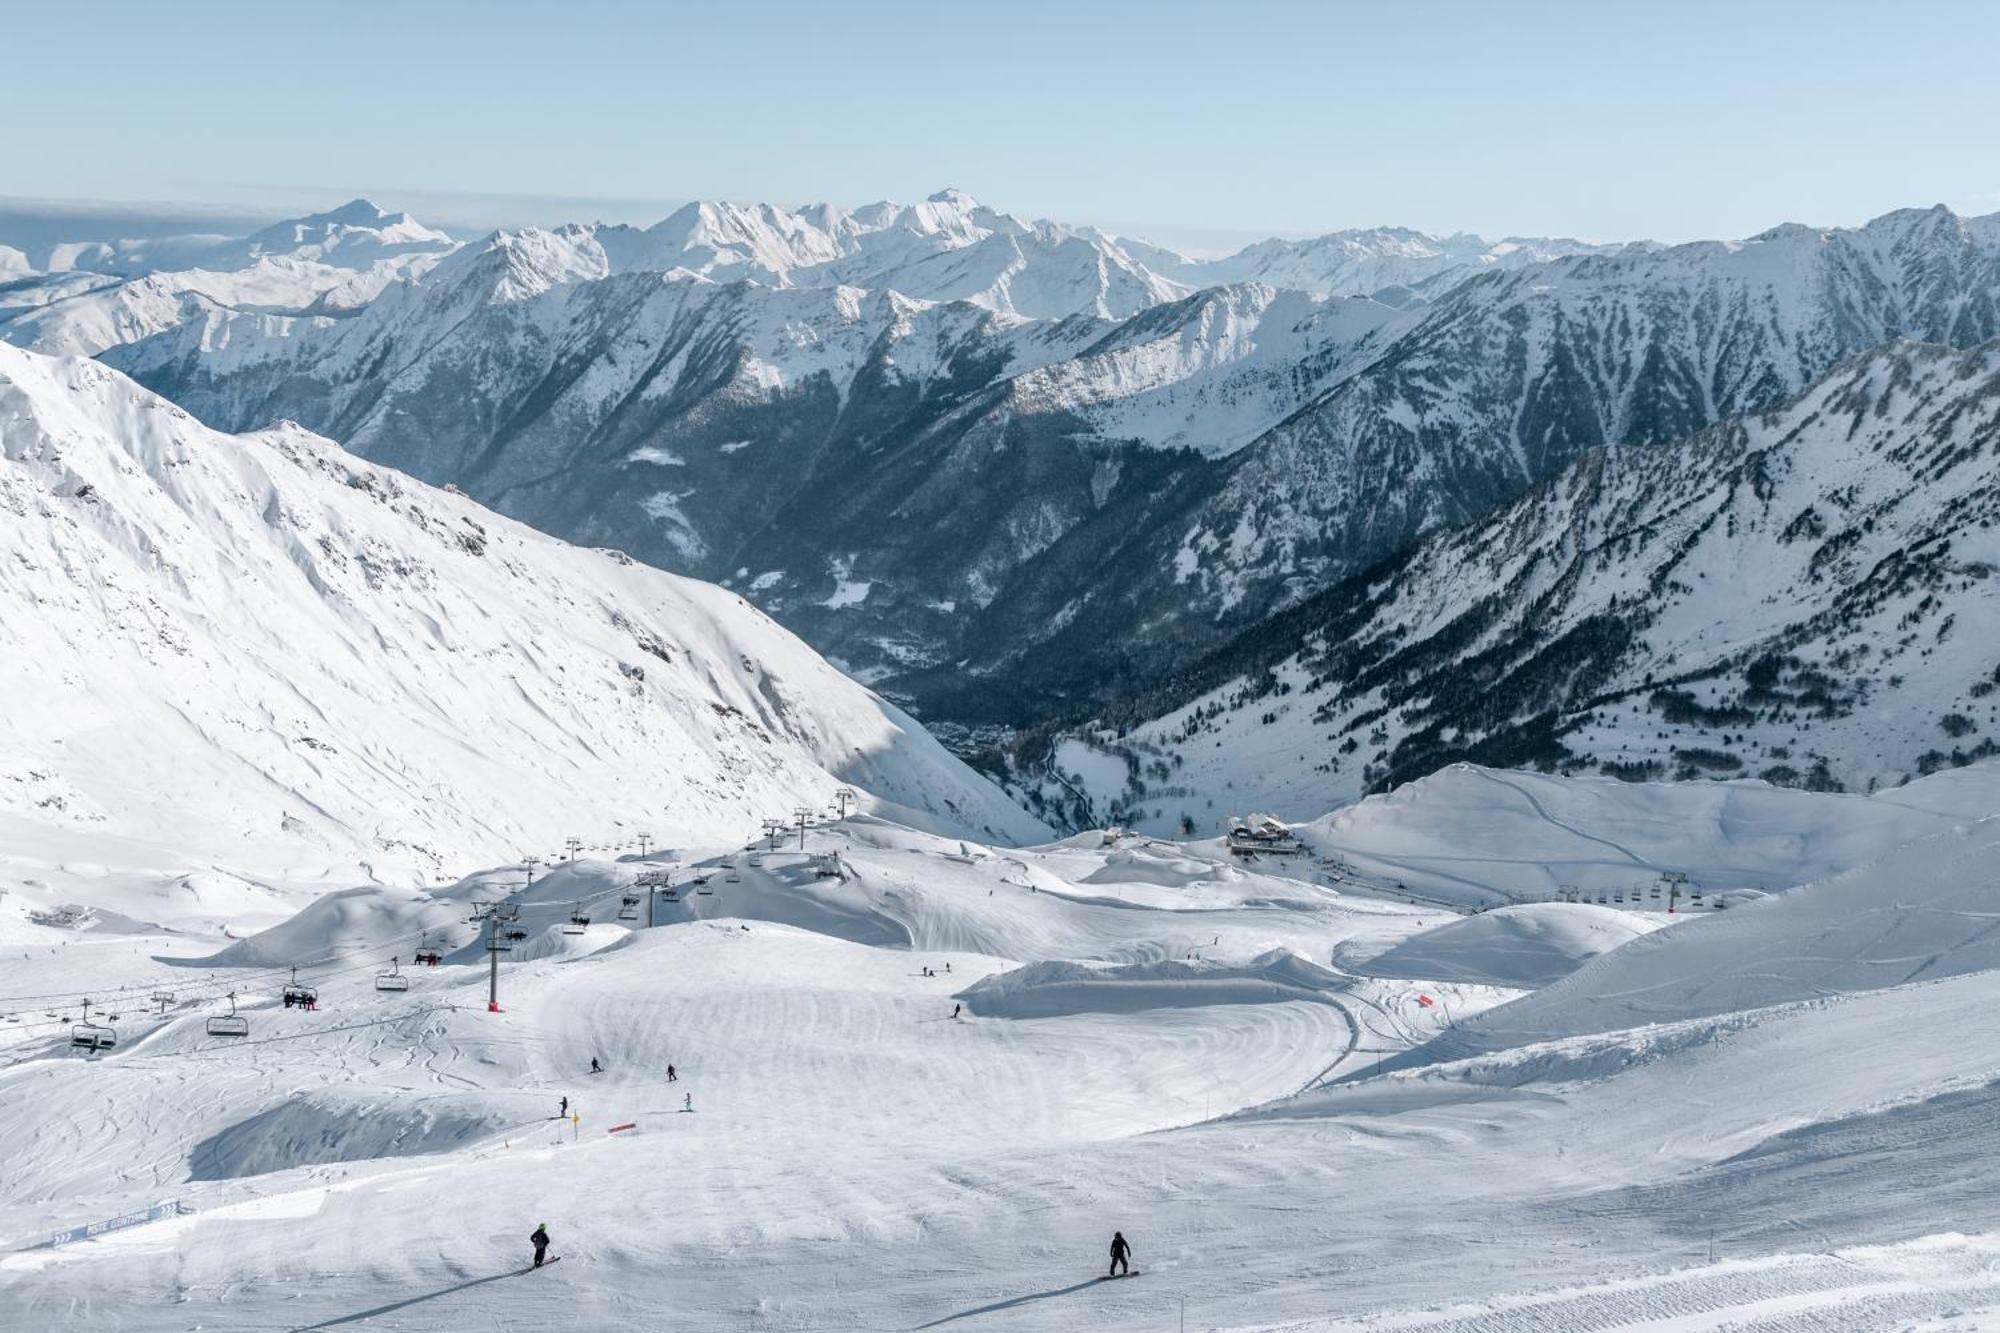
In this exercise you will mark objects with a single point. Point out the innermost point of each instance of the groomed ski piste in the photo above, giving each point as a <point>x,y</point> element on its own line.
<point>1771,1116</point>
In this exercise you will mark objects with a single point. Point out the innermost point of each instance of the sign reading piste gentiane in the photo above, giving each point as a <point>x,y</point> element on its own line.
<point>169,1208</point>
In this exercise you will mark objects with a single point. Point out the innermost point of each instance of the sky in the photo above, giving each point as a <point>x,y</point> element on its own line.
<point>1203,124</point>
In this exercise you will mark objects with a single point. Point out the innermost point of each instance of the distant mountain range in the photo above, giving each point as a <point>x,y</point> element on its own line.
<point>1013,472</point>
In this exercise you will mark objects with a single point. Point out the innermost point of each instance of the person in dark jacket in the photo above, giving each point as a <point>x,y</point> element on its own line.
<point>1120,1254</point>
<point>540,1240</point>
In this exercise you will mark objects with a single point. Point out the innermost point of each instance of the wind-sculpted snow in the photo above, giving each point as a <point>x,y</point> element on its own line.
<point>266,651</point>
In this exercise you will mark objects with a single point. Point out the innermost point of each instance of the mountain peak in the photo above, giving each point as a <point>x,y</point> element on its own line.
<point>955,197</point>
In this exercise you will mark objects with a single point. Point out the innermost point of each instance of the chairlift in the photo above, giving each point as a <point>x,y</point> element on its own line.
<point>93,1036</point>
<point>701,887</point>
<point>628,907</point>
<point>393,979</point>
<point>427,958</point>
<point>299,997</point>
<point>578,920</point>
<point>231,1024</point>
<point>756,861</point>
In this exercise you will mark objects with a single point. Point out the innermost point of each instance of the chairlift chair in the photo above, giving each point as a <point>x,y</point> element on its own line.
<point>393,979</point>
<point>93,1036</point>
<point>577,921</point>
<point>231,1024</point>
<point>297,996</point>
<point>701,887</point>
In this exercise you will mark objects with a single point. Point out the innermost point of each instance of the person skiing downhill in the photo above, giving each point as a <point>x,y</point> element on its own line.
<point>595,1067</point>
<point>564,1113</point>
<point>672,1077</point>
<point>540,1240</point>
<point>1120,1254</point>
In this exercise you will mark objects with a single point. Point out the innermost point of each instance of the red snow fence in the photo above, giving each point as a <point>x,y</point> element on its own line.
<point>619,1129</point>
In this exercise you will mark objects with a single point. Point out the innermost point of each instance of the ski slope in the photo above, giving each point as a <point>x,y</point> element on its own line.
<point>1149,1036</point>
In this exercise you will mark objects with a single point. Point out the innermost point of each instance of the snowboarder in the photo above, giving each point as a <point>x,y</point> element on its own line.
<point>595,1067</point>
<point>1120,1253</point>
<point>540,1240</point>
<point>564,1113</point>
<point>672,1077</point>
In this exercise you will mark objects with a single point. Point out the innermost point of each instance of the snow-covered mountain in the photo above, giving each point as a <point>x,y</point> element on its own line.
<point>1514,374</point>
<point>1369,261</point>
<point>994,506</point>
<point>1792,596</point>
<point>875,469</point>
<point>102,295</point>
<point>264,651</point>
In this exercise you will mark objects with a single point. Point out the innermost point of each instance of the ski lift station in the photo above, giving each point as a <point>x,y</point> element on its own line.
<point>1263,835</point>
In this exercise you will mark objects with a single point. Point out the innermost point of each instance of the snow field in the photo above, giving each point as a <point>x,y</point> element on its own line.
<point>1156,1038</point>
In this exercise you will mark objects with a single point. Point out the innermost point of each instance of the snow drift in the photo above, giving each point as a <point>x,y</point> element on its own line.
<point>1522,947</point>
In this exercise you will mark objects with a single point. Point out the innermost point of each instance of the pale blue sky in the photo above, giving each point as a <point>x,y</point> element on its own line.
<point>1608,121</point>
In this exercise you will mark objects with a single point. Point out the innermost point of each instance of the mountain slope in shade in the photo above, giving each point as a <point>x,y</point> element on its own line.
<point>794,440</point>
<point>262,650</point>
<point>1794,596</point>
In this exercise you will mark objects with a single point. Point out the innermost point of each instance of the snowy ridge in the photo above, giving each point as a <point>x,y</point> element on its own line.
<point>1784,596</point>
<point>105,296</point>
<point>263,651</point>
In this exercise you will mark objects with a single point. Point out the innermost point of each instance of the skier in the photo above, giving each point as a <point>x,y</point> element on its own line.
<point>955,1010</point>
<point>564,1113</point>
<point>1120,1253</point>
<point>540,1240</point>
<point>687,1102</point>
<point>947,967</point>
<point>595,1067</point>
<point>672,1077</point>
